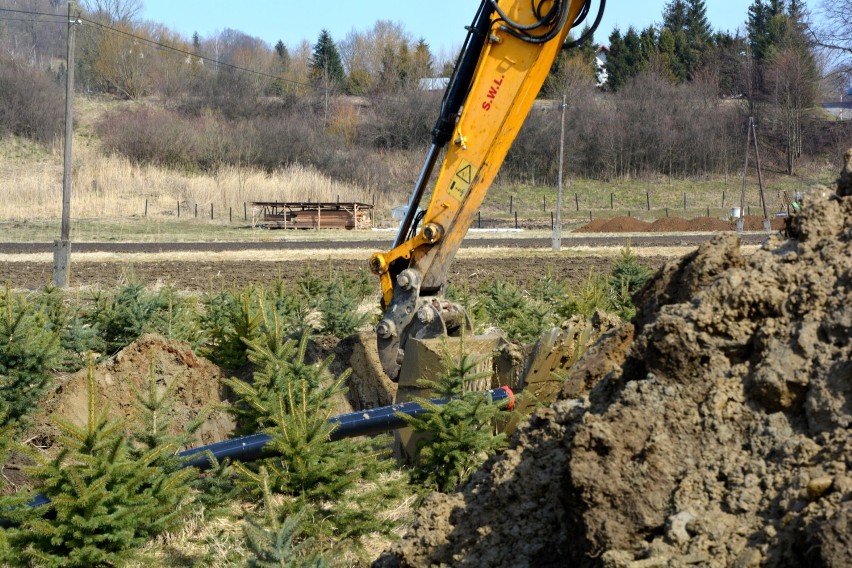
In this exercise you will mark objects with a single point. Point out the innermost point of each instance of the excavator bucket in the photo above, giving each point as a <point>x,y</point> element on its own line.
<point>535,372</point>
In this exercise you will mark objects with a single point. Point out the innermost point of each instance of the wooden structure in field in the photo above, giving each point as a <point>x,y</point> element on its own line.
<point>301,215</point>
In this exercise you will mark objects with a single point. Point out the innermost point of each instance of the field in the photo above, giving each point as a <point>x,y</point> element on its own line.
<point>650,452</point>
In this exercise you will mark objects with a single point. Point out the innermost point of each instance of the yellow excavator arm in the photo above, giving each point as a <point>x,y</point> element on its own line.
<point>509,52</point>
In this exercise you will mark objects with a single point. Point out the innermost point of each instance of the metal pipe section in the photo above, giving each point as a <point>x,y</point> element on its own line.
<point>364,423</point>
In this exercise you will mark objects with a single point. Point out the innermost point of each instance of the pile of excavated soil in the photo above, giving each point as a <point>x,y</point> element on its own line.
<point>712,431</point>
<point>119,378</point>
<point>676,225</point>
<point>679,225</point>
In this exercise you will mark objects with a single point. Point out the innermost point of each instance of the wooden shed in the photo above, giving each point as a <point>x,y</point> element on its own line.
<point>301,215</point>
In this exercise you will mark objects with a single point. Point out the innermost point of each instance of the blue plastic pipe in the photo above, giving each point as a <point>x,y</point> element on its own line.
<point>363,423</point>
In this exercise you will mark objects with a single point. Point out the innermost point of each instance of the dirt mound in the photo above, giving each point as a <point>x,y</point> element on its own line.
<point>680,225</point>
<point>755,223</point>
<point>128,372</point>
<point>714,430</point>
<point>614,225</point>
<point>677,225</point>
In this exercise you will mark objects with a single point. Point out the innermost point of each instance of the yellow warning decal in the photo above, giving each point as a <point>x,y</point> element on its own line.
<point>462,180</point>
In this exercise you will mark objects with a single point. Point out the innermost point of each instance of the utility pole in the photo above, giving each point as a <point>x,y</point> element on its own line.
<point>62,247</point>
<point>557,226</point>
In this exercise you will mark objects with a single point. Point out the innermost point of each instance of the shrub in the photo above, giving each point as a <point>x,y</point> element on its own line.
<point>104,500</point>
<point>31,105</point>
<point>29,350</point>
<point>519,316</point>
<point>121,317</point>
<point>460,432</point>
<point>292,401</point>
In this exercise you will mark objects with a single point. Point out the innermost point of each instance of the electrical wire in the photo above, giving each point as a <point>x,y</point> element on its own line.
<point>31,13</point>
<point>31,20</point>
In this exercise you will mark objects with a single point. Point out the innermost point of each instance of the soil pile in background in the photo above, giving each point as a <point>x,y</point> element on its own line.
<point>713,431</point>
<point>119,378</point>
<point>676,225</point>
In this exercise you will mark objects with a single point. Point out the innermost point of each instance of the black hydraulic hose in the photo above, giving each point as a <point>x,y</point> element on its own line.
<point>253,447</point>
<point>592,28</point>
<point>454,98</point>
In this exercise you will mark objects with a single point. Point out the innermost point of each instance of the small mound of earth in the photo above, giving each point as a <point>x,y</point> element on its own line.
<point>119,378</point>
<point>677,225</point>
<point>614,225</point>
<point>714,430</point>
<point>680,225</point>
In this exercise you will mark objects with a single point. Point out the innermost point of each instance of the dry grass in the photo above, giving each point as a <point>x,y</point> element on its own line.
<point>113,187</point>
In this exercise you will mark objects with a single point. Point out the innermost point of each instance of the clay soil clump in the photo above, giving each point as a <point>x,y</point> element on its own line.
<point>714,430</point>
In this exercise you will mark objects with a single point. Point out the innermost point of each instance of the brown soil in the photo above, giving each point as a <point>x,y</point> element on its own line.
<point>712,431</point>
<point>676,225</point>
<point>119,379</point>
<point>202,276</point>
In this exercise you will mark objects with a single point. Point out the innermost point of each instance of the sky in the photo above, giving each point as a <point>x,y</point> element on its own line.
<point>440,22</point>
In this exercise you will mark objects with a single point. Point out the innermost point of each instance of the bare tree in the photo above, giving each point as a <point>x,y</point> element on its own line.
<point>114,11</point>
<point>835,34</point>
<point>791,80</point>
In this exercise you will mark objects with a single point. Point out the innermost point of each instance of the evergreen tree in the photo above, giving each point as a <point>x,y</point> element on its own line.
<point>690,36</point>
<point>460,431</point>
<point>292,401</point>
<point>618,71</point>
<point>325,63</point>
<point>282,53</point>
<point>104,502</point>
<point>120,318</point>
<point>675,16</point>
<point>29,350</point>
<point>422,62</point>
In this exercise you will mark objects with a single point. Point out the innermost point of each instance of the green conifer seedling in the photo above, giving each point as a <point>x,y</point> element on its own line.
<point>460,432</point>
<point>104,501</point>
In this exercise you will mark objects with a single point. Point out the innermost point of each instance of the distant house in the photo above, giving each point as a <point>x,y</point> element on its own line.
<point>433,83</point>
<point>601,54</point>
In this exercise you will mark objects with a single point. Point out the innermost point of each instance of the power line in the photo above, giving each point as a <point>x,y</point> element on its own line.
<point>32,20</point>
<point>31,13</point>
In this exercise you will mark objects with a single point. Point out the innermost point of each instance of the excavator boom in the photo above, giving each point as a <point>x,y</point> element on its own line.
<point>511,47</point>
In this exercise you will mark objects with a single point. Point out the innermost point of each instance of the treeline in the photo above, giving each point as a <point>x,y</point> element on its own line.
<point>674,102</point>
